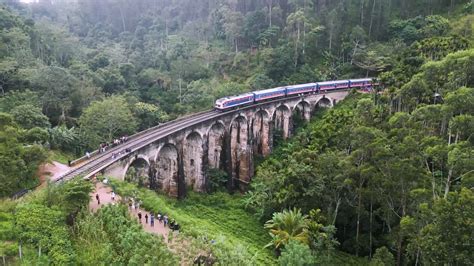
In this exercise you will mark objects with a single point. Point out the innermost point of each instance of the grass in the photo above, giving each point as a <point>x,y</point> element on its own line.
<point>60,156</point>
<point>219,216</point>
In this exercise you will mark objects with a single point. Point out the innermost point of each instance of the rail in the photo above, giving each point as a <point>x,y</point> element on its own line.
<point>134,136</point>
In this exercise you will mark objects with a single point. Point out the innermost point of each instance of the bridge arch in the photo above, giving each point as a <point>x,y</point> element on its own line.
<point>193,161</point>
<point>324,102</point>
<point>167,169</point>
<point>140,176</point>
<point>302,109</point>
<point>261,130</point>
<point>215,142</point>
<point>281,119</point>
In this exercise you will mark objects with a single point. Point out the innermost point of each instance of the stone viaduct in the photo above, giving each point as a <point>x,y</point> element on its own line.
<point>180,161</point>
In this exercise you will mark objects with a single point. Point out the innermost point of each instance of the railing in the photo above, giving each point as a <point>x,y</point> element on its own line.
<point>134,136</point>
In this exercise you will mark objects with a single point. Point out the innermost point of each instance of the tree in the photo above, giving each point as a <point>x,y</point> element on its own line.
<point>322,239</point>
<point>296,254</point>
<point>445,230</point>
<point>29,116</point>
<point>56,84</point>
<point>107,119</point>
<point>149,115</point>
<point>286,226</point>
<point>18,162</point>
<point>382,257</point>
<point>44,228</point>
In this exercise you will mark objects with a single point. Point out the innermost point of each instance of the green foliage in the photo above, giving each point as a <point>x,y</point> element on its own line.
<point>112,237</point>
<point>296,254</point>
<point>63,138</point>
<point>238,237</point>
<point>382,257</point>
<point>18,161</point>
<point>106,120</point>
<point>28,116</point>
<point>445,229</point>
<point>217,179</point>
<point>286,226</point>
<point>368,167</point>
<point>44,228</point>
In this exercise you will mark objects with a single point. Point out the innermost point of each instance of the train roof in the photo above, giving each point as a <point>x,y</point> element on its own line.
<point>302,85</point>
<point>341,81</point>
<point>269,90</point>
<point>325,83</point>
<point>360,80</point>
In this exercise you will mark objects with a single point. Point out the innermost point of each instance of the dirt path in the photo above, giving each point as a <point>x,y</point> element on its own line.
<point>105,197</point>
<point>51,171</point>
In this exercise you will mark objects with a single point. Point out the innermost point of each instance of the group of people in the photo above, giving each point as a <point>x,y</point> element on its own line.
<point>162,218</point>
<point>105,145</point>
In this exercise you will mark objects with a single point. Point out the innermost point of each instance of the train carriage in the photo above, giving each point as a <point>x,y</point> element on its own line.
<point>326,85</point>
<point>300,89</point>
<point>269,94</point>
<point>357,83</point>
<point>234,101</point>
<point>341,84</point>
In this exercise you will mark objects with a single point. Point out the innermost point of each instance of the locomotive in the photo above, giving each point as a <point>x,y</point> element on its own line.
<point>291,90</point>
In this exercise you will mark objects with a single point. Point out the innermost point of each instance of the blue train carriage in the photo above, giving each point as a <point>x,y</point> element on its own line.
<point>301,89</point>
<point>326,85</point>
<point>269,94</point>
<point>362,84</point>
<point>234,101</point>
<point>341,84</point>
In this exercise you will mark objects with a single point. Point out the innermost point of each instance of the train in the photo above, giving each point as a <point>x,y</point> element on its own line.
<point>237,101</point>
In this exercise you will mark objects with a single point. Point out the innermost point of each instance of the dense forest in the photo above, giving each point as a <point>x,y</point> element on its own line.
<point>387,176</point>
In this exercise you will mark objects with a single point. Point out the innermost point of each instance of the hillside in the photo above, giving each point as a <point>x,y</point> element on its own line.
<point>383,178</point>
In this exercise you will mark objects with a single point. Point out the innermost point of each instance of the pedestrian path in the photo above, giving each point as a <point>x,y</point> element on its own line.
<point>105,197</point>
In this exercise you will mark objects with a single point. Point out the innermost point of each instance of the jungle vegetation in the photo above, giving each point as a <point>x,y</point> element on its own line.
<point>386,177</point>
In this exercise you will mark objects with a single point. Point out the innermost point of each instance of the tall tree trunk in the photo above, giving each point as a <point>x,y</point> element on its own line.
<point>358,219</point>
<point>336,210</point>
<point>296,44</point>
<point>270,8</point>
<point>371,19</point>
<point>448,183</point>
<point>370,229</point>
<point>123,18</point>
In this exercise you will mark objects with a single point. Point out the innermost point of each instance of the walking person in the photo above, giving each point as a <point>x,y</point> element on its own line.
<point>159,217</point>
<point>113,196</point>
<point>140,216</point>
<point>146,218</point>
<point>152,220</point>
<point>97,197</point>
<point>165,220</point>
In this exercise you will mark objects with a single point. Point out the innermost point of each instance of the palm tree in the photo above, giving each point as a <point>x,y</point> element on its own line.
<point>287,225</point>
